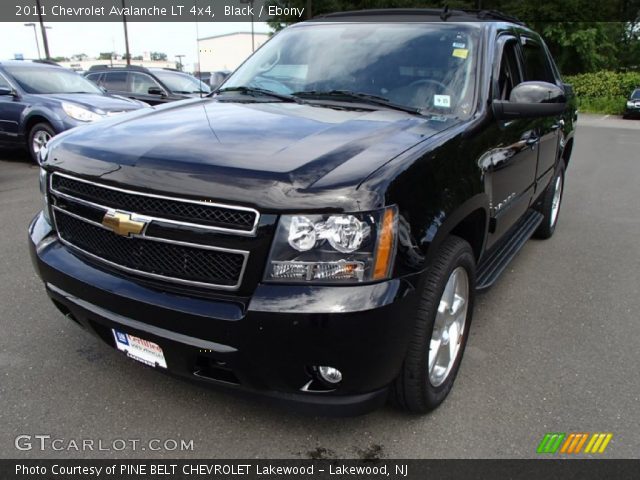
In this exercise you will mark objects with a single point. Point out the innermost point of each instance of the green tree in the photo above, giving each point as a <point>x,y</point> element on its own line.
<point>582,35</point>
<point>158,56</point>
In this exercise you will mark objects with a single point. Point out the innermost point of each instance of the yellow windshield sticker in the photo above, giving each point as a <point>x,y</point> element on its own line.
<point>460,52</point>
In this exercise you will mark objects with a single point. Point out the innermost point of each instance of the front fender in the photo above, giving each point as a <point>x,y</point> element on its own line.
<point>45,113</point>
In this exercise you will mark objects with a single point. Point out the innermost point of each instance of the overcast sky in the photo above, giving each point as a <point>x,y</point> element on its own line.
<point>69,38</point>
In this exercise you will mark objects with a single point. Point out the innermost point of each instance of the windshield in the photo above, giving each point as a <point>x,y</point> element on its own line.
<point>181,82</point>
<point>428,66</point>
<point>635,95</point>
<point>50,80</point>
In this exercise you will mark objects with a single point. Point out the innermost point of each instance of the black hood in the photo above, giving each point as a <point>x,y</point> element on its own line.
<point>270,155</point>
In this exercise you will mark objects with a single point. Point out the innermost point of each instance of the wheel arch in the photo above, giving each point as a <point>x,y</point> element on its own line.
<point>470,221</point>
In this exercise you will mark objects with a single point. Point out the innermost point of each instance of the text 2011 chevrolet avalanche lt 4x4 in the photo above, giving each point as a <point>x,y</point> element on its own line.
<point>317,229</point>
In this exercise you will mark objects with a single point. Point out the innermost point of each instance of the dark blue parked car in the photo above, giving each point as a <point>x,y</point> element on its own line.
<point>39,100</point>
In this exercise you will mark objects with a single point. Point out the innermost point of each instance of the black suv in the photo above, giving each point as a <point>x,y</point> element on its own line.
<point>318,228</point>
<point>150,85</point>
<point>632,109</point>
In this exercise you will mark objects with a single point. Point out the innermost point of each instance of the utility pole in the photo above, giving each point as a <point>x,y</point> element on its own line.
<point>126,35</point>
<point>35,33</point>
<point>253,42</point>
<point>180,57</point>
<point>45,42</point>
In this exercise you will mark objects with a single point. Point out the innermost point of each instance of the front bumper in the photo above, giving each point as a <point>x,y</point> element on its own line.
<point>265,344</point>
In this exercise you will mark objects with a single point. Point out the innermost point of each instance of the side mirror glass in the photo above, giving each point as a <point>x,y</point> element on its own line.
<point>7,91</point>
<point>537,92</point>
<point>155,91</point>
<point>531,100</point>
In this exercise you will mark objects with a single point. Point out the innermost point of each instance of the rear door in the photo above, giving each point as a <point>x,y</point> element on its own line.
<point>537,67</point>
<point>510,163</point>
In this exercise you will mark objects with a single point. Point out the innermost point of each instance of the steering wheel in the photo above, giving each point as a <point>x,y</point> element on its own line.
<point>432,82</point>
<point>429,81</point>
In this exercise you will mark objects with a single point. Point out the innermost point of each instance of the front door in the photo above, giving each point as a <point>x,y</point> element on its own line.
<point>11,108</point>
<point>510,166</point>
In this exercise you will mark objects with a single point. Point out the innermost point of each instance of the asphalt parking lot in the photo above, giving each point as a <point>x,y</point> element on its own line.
<point>555,347</point>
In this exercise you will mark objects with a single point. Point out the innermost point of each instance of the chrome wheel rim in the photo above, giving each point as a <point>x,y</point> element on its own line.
<point>555,203</point>
<point>449,326</point>
<point>40,139</point>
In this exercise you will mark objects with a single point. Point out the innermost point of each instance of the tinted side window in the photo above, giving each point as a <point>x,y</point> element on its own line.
<point>140,83</point>
<point>536,63</point>
<point>94,77</point>
<point>510,75</point>
<point>115,81</point>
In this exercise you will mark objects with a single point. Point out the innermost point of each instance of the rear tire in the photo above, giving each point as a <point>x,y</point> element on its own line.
<point>39,136</point>
<point>550,205</point>
<point>424,380</point>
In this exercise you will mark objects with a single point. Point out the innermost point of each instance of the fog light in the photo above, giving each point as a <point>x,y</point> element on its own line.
<point>330,374</point>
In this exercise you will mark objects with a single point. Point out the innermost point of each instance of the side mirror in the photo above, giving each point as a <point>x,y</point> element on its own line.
<point>155,91</point>
<point>530,100</point>
<point>8,92</point>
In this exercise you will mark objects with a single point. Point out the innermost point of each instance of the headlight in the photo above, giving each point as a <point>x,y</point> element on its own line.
<point>43,192</point>
<point>630,104</point>
<point>79,113</point>
<point>344,248</point>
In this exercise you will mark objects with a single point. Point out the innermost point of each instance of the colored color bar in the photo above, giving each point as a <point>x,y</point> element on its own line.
<point>594,437</point>
<point>567,443</point>
<point>605,442</point>
<point>581,442</point>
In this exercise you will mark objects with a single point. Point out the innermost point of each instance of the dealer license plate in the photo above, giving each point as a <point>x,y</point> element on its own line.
<point>139,349</point>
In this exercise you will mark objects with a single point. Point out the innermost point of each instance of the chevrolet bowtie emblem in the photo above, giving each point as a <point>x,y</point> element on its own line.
<point>122,223</point>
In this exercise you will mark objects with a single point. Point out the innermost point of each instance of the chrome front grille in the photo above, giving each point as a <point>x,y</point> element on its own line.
<point>239,220</point>
<point>79,210</point>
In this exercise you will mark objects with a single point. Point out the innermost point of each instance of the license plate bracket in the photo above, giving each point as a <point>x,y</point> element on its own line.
<point>139,349</point>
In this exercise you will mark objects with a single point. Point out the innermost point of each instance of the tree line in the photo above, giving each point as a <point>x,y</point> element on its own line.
<point>583,35</point>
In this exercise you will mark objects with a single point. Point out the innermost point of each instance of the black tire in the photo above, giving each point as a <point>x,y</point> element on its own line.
<point>548,226</point>
<point>413,390</point>
<point>38,128</point>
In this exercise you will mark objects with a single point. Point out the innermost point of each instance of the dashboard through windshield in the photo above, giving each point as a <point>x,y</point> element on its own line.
<point>429,67</point>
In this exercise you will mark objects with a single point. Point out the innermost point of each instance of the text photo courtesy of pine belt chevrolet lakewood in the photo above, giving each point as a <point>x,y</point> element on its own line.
<point>40,99</point>
<point>316,230</point>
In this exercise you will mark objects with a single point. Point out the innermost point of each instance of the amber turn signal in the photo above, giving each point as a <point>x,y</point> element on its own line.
<point>384,250</point>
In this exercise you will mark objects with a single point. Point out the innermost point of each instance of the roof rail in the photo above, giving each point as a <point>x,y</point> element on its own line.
<point>46,62</point>
<point>116,66</point>
<point>434,14</point>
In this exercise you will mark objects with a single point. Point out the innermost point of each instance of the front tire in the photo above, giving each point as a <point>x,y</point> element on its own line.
<point>550,205</point>
<point>441,329</point>
<point>39,136</point>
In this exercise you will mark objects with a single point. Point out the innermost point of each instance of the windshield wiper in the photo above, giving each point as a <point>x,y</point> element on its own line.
<point>349,95</point>
<point>256,91</point>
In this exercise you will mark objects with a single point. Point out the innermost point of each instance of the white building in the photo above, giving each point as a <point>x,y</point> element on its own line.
<point>227,52</point>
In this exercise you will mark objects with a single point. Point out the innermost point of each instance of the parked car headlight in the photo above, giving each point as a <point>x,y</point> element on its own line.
<point>334,248</point>
<point>44,177</point>
<point>80,113</point>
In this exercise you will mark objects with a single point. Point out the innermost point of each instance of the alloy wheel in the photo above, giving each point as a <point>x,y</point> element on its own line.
<point>40,139</point>
<point>449,326</point>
